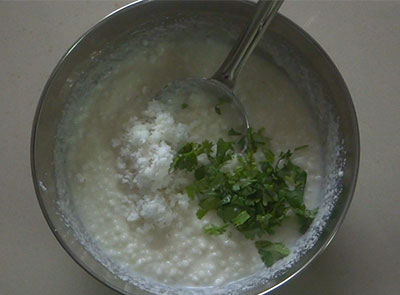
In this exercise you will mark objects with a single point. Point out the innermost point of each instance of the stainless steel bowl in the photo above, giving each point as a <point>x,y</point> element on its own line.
<point>145,14</point>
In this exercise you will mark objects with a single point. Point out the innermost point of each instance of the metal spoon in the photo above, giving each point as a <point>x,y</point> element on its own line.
<point>223,81</point>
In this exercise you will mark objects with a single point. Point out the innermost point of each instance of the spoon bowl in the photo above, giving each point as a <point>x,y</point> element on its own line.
<point>220,86</point>
<point>213,90</point>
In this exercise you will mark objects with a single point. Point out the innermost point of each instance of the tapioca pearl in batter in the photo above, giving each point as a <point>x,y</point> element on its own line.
<point>183,263</point>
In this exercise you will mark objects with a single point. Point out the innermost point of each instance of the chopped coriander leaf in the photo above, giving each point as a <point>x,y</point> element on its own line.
<point>186,158</point>
<point>184,105</point>
<point>228,212</point>
<point>200,172</point>
<point>201,213</point>
<point>271,252</point>
<point>221,100</point>
<point>241,218</point>
<point>210,203</point>
<point>233,132</point>
<point>305,218</point>
<point>255,197</point>
<point>191,191</point>
<point>254,140</point>
<point>269,156</point>
<point>302,147</point>
<point>224,151</point>
<point>207,147</point>
<point>258,137</point>
<point>212,229</point>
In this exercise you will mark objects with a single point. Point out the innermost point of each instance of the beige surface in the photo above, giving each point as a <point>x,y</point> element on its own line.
<point>361,37</point>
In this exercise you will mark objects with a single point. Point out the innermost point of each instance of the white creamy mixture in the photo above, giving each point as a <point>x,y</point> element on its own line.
<point>121,144</point>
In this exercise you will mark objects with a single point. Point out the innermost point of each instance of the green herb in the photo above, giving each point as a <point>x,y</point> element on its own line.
<point>255,140</point>
<point>184,105</point>
<point>221,100</point>
<point>301,147</point>
<point>271,252</point>
<point>305,218</point>
<point>224,152</point>
<point>255,197</point>
<point>241,218</point>
<point>233,132</point>
<point>212,229</point>
<point>186,158</point>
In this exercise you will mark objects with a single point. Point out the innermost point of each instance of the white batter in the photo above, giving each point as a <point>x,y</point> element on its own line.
<point>122,143</point>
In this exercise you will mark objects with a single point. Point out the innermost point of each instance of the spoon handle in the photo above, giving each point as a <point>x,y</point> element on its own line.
<point>233,63</point>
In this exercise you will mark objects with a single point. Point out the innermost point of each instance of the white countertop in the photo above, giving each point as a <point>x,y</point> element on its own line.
<point>362,38</point>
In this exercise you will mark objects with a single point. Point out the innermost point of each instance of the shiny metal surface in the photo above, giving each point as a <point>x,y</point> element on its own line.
<point>214,89</point>
<point>222,82</point>
<point>248,40</point>
<point>143,12</point>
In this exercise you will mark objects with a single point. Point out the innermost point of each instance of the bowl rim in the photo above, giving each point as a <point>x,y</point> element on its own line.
<point>115,13</point>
